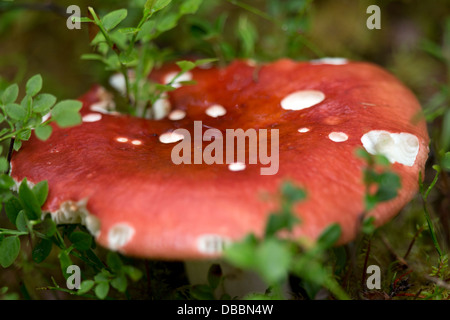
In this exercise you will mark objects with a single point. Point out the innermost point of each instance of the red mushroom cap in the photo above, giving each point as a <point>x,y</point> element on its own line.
<point>115,174</point>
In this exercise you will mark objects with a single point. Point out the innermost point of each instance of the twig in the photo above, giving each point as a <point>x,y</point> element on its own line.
<point>418,294</point>
<point>392,251</point>
<point>439,282</point>
<point>366,260</point>
<point>411,295</point>
<point>413,241</point>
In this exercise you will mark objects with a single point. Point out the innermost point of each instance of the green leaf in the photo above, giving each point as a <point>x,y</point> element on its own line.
<point>29,201</point>
<point>126,58</point>
<point>329,236</point>
<point>92,56</point>
<point>42,250</point>
<point>446,161</point>
<point>6,182</point>
<point>81,19</point>
<point>167,22</point>
<point>152,6</point>
<point>40,190</point>
<point>10,94</point>
<point>164,87</point>
<point>43,132</point>
<point>66,113</point>
<point>94,258</point>
<point>101,290</point>
<point>272,261</point>
<point>16,111</point>
<point>186,65</point>
<point>189,6</point>
<point>292,193</point>
<point>85,286</point>
<point>112,19</point>
<point>21,221</point>
<point>129,30</point>
<point>368,225</point>
<point>242,254</point>
<point>81,240</point>
<point>43,103</point>
<point>134,273</point>
<point>47,226</point>
<point>113,261</point>
<point>120,283</point>
<point>34,85</point>
<point>103,276</point>
<point>65,262</point>
<point>280,221</point>
<point>381,160</point>
<point>146,32</point>
<point>389,183</point>
<point>4,164</point>
<point>9,250</point>
<point>24,135</point>
<point>17,144</point>
<point>202,62</point>
<point>27,103</point>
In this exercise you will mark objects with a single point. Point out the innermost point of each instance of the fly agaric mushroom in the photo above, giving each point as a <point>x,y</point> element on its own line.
<point>114,172</point>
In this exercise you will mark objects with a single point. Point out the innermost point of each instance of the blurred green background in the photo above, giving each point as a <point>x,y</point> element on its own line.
<point>34,38</point>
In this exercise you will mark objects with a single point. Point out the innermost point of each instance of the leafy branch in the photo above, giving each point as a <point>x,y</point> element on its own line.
<point>132,52</point>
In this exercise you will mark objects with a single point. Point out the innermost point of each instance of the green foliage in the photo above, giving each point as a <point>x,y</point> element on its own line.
<point>20,118</point>
<point>24,212</point>
<point>132,51</point>
<point>377,176</point>
<point>275,256</point>
<point>9,250</point>
<point>425,193</point>
<point>116,275</point>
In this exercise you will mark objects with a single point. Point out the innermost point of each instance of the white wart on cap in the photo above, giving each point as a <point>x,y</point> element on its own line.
<point>170,137</point>
<point>119,235</point>
<point>302,99</point>
<point>92,117</point>
<point>338,136</point>
<point>177,115</point>
<point>332,61</point>
<point>397,147</point>
<point>216,111</point>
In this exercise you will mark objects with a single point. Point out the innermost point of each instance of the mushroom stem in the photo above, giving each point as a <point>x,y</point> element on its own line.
<point>236,282</point>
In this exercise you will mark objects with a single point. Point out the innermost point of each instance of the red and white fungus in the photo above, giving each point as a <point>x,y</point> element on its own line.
<point>114,172</point>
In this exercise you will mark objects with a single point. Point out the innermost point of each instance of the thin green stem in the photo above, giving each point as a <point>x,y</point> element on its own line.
<point>12,232</point>
<point>144,19</point>
<point>278,23</point>
<point>425,209</point>
<point>123,68</point>
<point>253,10</point>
